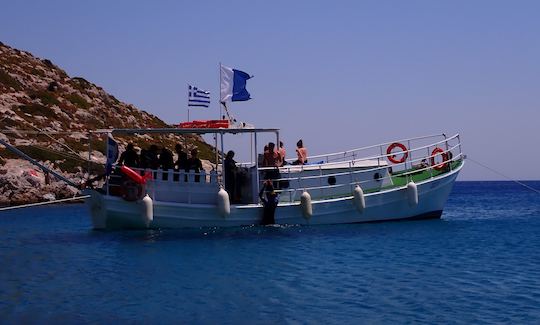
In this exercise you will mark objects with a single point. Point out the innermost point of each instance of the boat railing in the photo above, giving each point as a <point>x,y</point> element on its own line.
<point>358,152</point>
<point>292,192</point>
<point>172,185</point>
<point>355,154</point>
<point>422,159</point>
<point>418,168</point>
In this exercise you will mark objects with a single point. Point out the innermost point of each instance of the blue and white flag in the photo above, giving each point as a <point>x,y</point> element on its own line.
<point>112,154</point>
<point>233,85</point>
<point>198,97</point>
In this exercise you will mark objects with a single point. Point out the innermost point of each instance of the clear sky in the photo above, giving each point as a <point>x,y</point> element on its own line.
<point>339,74</point>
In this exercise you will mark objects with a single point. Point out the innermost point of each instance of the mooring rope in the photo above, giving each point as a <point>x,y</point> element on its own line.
<point>44,203</point>
<point>503,175</point>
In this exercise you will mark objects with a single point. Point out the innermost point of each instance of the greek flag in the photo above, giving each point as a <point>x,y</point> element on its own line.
<point>198,97</point>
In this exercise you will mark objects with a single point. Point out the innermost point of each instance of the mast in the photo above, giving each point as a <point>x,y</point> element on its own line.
<point>219,91</point>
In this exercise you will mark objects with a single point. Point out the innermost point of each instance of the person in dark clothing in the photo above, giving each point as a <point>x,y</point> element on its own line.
<point>269,202</point>
<point>152,157</point>
<point>181,162</point>
<point>129,158</point>
<point>230,176</point>
<point>143,159</point>
<point>194,164</point>
<point>166,161</point>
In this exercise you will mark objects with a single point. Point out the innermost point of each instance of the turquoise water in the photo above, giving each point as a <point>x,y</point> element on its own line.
<point>479,264</point>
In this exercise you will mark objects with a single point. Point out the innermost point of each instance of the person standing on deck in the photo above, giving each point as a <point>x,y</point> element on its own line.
<point>272,158</point>
<point>230,176</point>
<point>282,153</point>
<point>194,164</point>
<point>182,160</point>
<point>166,162</point>
<point>130,157</point>
<point>152,157</point>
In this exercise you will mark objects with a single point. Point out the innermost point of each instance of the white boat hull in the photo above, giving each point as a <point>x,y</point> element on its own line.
<point>109,212</point>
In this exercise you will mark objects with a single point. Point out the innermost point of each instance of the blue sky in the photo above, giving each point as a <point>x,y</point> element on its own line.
<point>339,74</point>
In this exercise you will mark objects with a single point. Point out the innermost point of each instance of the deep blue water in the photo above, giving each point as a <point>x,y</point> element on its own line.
<point>479,264</point>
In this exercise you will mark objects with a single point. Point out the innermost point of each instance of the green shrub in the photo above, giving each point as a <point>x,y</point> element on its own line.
<point>58,159</point>
<point>47,98</point>
<point>9,81</point>
<point>37,109</point>
<point>48,63</point>
<point>37,72</point>
<point>81,83</point>
<point>206,151</point>
<point>78,101</point>
<point>99,145</point>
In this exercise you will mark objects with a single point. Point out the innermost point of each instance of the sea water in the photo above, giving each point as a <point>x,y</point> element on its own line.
<point>479,264</point>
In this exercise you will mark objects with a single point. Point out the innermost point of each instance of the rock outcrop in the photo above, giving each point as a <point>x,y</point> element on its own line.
<point>47,114</point>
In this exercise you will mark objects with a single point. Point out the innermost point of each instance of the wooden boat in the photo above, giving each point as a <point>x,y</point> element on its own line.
<point>375,183</point>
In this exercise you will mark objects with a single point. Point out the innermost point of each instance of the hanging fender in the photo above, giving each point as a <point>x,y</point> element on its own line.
<point>305,203</point>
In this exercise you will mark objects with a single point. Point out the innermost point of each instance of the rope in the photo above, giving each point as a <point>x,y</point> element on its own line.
<point>44,203</point>
<point>503,175</point>
<point>57,141</point>
<point>41,132</point>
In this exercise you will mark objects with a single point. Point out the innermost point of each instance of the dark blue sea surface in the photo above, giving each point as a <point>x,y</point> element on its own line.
<point>479,264</point>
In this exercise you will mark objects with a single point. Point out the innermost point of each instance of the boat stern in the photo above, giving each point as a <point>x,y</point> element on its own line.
<point>97,208</point>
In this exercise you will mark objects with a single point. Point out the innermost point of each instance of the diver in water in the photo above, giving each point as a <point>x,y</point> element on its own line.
<point>269,202</point>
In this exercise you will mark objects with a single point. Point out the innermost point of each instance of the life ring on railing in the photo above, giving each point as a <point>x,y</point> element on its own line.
<point>392,157</point>
<point>444,155</point>
<point>131,190</point>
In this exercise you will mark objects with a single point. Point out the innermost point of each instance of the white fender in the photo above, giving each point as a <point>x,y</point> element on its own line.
<point>147,210</point>
<point>412,194</point>
<point>305,203</point>
<point>223,204</point>
<point>359,200</point>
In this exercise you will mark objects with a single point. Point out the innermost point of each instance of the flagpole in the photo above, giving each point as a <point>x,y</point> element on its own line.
<point>219,94</point>
<point>215,134</point>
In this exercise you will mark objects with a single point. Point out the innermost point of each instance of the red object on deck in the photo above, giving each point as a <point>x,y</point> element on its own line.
<point>205,124</point>
<point>133,175</point>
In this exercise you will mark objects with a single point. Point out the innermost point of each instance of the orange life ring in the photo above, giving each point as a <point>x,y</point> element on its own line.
<point>392,158</point>
<point>444,155</point>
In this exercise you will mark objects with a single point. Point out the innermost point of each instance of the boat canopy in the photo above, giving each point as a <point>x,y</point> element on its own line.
<point>185,131</point>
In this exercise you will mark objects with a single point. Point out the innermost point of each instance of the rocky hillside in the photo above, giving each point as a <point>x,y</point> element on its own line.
<point>46,113</point>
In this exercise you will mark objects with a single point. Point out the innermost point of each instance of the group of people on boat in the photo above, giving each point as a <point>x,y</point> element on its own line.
<point>268,196</point>
<point>273,157</point>
<point>155,158</point>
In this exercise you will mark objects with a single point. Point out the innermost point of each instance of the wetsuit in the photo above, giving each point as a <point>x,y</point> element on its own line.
<point>269,206</point>
<point>129,158</point>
